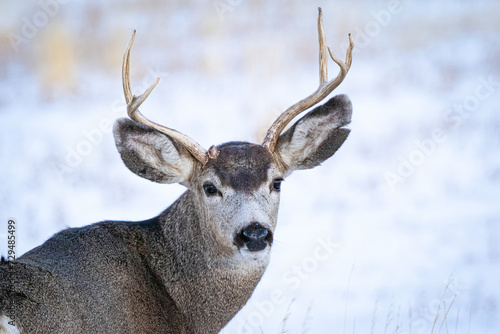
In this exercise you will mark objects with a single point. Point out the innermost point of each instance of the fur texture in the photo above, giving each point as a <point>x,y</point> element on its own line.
<point>182,271</point>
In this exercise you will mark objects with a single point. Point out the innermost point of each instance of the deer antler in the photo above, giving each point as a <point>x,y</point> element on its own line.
<point>134,102</point>
<point>324,89</point>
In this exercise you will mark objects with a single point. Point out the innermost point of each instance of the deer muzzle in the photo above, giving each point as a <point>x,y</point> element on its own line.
<point>254,237</point>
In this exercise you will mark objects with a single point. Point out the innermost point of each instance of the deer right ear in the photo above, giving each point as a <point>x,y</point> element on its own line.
<point>316,136</point>
<point>151,154</point>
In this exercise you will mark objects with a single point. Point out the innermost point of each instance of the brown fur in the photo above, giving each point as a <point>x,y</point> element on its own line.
<point>241,166</point>
<point>180,272</point>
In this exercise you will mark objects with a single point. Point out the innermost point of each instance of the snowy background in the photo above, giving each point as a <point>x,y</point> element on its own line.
<point>398,233</point>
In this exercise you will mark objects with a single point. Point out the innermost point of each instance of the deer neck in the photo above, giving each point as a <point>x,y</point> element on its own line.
<point>208,287</point>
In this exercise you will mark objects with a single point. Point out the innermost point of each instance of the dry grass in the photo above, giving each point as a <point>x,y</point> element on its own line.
<point>394,321</point>
<point>288,313</point>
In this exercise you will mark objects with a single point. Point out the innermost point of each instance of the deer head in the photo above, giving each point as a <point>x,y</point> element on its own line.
<point>237,184</point>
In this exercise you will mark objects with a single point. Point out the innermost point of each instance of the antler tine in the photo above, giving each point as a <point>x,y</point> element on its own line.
<point>134,102</point>
<point>323,60</point>
<point>324,89</point>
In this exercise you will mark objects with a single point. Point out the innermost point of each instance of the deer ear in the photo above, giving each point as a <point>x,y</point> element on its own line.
<point>151,154</point>
<point>316,136</point>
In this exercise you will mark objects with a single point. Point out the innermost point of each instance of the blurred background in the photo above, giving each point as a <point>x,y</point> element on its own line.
<point>399,232</point>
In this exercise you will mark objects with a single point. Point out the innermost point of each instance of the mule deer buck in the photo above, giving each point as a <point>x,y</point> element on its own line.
<point>193,267</point>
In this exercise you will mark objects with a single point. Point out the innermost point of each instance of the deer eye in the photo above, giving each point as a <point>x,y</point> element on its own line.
<point>210,189</point>
<point>277,184</point>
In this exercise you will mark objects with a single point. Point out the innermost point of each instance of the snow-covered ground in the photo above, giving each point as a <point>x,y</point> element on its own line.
<point>398,233</point>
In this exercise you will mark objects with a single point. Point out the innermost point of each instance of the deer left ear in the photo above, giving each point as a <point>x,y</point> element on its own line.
<point>316,136</point>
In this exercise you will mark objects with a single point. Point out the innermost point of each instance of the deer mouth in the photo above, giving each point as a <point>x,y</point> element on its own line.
<point>254,237</point>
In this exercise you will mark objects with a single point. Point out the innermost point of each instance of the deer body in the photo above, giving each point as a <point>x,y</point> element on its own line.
<point>130,277</point>
<point>193,267</point>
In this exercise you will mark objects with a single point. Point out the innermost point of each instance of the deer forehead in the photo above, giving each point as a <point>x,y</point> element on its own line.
<point>242,166</point>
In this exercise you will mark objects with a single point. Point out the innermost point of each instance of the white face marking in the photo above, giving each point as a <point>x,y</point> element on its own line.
<point>231,211</point>
<point>5,327</point>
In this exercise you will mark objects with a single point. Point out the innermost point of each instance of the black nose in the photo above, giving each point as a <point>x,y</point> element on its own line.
<point>255,236</point>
